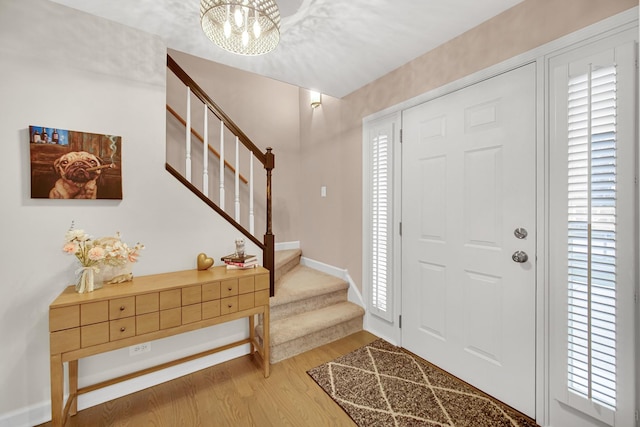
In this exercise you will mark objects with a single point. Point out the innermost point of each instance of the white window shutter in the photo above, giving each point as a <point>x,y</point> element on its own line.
<point>381,206</point>
<point>592,250</point>
<point>591,244</point>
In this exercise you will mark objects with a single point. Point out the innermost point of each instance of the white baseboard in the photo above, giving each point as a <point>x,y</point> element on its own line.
<point>354,294</point>
<point>41,413</point>
<point>27,417</point>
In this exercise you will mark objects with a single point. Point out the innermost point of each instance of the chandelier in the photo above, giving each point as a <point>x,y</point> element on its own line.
<point>245,27</point>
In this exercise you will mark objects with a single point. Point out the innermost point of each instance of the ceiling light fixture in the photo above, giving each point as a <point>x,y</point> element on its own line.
<point>227,24</point>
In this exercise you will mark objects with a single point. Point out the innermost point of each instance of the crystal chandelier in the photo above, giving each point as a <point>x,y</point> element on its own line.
<point>245,27</point>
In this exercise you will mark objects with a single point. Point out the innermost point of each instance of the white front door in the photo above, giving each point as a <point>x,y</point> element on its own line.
<point>468,183</point>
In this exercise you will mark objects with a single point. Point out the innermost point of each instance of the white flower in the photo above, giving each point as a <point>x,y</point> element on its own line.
<point>75,235</point>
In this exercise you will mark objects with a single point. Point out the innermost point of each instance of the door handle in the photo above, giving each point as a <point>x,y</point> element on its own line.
<point>520,256</point>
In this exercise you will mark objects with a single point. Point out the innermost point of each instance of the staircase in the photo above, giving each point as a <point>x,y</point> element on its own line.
<point>309,309</point>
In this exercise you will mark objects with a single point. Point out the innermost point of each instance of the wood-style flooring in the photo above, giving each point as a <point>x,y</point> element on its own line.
<point>234,393</point>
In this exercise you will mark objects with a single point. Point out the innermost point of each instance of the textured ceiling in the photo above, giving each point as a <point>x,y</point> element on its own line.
<point>334,46</point>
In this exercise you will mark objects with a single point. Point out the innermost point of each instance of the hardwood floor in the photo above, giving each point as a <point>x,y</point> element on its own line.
<point>234,393</point>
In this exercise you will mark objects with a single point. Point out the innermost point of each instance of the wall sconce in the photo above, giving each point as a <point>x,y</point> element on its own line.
<point>316,98</point>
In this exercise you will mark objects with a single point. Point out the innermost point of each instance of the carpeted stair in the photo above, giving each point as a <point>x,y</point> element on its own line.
<point>309,309</point>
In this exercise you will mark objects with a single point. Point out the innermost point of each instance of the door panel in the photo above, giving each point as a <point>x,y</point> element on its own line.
<point>468,183</point>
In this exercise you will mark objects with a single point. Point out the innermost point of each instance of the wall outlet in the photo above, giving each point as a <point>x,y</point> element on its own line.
<point>134,350</point>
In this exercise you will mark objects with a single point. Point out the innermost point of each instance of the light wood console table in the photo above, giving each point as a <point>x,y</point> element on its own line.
<point>145,309</point>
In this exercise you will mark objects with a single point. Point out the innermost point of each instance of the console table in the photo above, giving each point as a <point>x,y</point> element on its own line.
<point>149,308</point>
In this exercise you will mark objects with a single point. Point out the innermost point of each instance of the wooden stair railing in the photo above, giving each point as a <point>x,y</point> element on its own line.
<point>201,139</point>
<point>267,159</point>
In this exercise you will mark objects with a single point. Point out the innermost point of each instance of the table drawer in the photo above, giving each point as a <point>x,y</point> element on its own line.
<point>210,309</point>
<point>245,301</point>
<point>147,303</point>
<point>95,334</point>
<point>261,298</point>
<point>211,291</point>
<point>170,318</point>
<point>64,318</point>
<point>228,305</point>
<point>66,340</point>
<point>170,299</point>
<point>122,328</point>
<point>94,312</point>
<point>191,295</point>
<point>146,323</point>
<point>191,313</point>
<point>228,288</point>
<point>261,282</point>
<point>245,285</point>
<point>122,307</point>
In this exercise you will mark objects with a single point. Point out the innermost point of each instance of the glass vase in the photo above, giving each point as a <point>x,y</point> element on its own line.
<point>86,280</point>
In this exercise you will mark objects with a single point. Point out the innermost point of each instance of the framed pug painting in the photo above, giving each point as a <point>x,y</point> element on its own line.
<point>68,164</point>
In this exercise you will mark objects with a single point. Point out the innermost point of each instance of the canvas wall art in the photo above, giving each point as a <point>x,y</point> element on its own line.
<point>69,164</point>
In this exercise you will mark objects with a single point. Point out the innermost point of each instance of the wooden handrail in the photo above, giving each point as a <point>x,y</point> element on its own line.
<point>201,139</point>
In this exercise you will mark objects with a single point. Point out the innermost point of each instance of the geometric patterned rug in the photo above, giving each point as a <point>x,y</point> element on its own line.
<point>380,384</point>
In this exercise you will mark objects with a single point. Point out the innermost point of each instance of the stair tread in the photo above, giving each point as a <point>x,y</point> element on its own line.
<point>303,282</point>
<point>293,327</point>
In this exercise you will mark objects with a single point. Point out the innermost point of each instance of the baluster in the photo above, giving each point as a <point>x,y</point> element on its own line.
<point>251,218</point>
<point>205,154</point>
<point>188,138</point>
<point>237,198</point>
<point>221,165</point>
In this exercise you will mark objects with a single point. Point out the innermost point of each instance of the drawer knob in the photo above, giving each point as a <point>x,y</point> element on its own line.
<point>123,329</point>
<point>229,288</point>
<point>122,308</point>
<point>230,305</point>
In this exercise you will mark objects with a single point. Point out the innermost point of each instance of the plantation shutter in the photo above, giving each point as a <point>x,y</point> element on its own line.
<point>593,231</point>
<point>381,224</point>
<point>592,279</point>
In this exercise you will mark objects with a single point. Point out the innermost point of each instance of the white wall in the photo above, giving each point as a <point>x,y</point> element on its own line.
<point>66,69</point>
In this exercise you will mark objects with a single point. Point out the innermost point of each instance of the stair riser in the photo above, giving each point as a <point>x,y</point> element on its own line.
<point>286,267</point>
<point>309,304</point>
<point>300,345</point>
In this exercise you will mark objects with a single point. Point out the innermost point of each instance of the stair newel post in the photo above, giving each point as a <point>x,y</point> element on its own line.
<point>269,258</point>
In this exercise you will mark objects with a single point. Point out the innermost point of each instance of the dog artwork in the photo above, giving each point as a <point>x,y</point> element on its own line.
<point>78,165</point>
<point>78,173</point>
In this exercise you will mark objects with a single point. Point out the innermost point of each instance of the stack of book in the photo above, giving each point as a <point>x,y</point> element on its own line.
<point>234,261</point>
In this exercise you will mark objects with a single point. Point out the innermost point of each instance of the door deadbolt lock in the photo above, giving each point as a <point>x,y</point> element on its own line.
<point>520,256</point>
<point>520,233</point>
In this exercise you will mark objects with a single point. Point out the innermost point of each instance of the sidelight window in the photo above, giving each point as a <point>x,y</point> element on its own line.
<point>592,231</point>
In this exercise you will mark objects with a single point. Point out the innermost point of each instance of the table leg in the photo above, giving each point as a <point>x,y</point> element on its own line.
<point>252,333</point>
<point>73,386</point>
<point>57,384</point>
<point>265,342</point>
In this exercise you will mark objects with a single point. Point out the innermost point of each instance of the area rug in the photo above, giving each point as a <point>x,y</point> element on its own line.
<point>383,385</point>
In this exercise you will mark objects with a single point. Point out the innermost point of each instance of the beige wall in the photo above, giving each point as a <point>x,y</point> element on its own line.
<point>333,234</point>
<point>323,231</point>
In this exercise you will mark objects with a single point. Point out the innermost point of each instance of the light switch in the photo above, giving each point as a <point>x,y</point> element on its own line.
<point>323,191</point>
